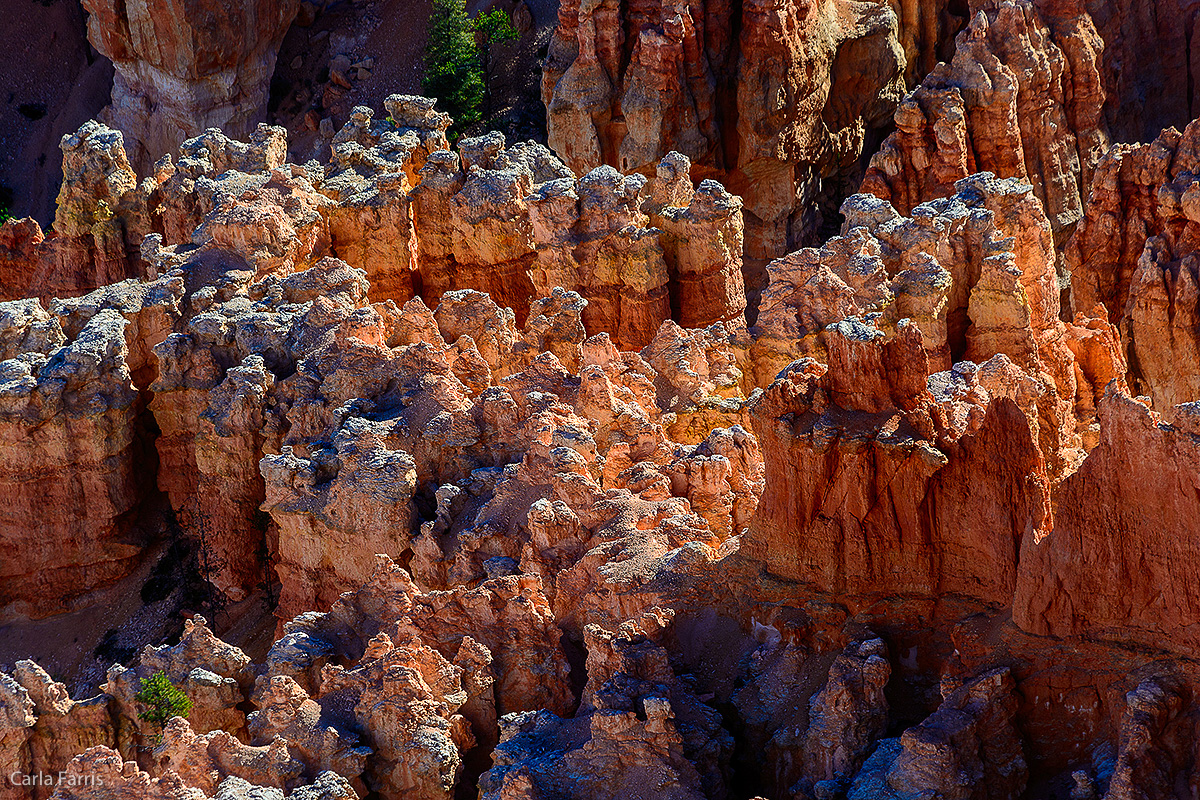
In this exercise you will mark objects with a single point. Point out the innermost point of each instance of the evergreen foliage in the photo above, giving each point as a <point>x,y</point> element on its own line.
<point>162,699</point>
<point>457,59</point>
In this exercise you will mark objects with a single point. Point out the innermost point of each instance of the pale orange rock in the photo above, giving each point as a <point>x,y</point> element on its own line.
<point>181,70</point>
<point>965,302</point>
<point>215,676</point>
<point>325,504</point>
<point>100,774</point>
<point>407,699</point>
<point>68,412</point>
<point>1133,252</point>
<point>102,215</point>
<point>64,726</point>
<point>623,87</point>
<point>205,760</point>
<point>287,712</point>
<point>16,728</point>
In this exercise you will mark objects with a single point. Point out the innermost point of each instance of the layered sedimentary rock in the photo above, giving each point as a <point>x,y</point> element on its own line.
<point>211,403</point>
<point>101,772</point>
<point>16,728</point>
<point>63,727</point>
<point>967,749</point>
<point>1161,92</point>
<point>884,306</point>
<point>1110,569</point>
<point>183,68</point>
<point>515,223</point>
<point>69,417</point>
<point>214,675</point>
<point>1022,98</point>
<point>458,497</point>
<point>374,168</point>
<point>637,723</point>
<point>812,746</point>
<point>1134,253</point>
<point>774,97</point>
<point>101,218</point>
<point>1037,90</point>
<point>509,616</point>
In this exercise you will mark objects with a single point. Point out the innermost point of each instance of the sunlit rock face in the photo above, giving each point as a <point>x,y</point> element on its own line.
<point>777,99</point>
<point>184,67</point>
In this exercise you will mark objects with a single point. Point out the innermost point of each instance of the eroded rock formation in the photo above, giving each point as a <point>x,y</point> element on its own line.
<point>1133,253</point>
<point>186,67</point>
<point>778,99</point>
<point>101,218</point>
<point>69,418</point>
<point>541,516</point>
<point>1022,98</point>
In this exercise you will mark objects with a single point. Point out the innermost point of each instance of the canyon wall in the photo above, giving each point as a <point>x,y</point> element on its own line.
<point>184,67</point>
<point>775,99</point>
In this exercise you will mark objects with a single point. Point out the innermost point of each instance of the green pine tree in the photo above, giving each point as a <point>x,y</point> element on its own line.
<point>458,59</point>
<point>162,699</point>
<point>453,72</point>
<point>491,28</point>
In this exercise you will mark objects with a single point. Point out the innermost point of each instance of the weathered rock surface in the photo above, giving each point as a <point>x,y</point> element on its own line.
<point>474,418</point>
<point>102,216</point>
<point>774,98</point>
<point>987,291</point>
<point>214,675</point>
<point>183,68</point>
<point>968,748</point>
<point>638,725</point>
<point>1022,98</point>
<point>1134,253</point>
<point>810,720</point>
<point>68,414</point>
<point>100,774</point>
<point>64,727</point>
<point>1109,569</point>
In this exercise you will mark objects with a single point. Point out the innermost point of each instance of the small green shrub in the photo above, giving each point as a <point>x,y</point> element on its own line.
<point>162,700</point>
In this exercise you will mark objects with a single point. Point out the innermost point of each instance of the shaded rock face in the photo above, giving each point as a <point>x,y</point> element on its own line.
<point>1108,571</point>
<point>772,97</point>
<point>186,67</point>
<point>101,219</point>
<point>1133,253</point>
<point>1162,91</point>
<point>810,719</point>
<point>637,722</point>
<point>69,419</point>
<point>968,748</point>
<point>1038,90</point>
